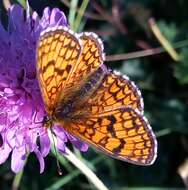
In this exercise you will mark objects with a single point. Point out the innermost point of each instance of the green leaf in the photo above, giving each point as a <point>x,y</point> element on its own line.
<point>169,30</point>
<point>181,69</point>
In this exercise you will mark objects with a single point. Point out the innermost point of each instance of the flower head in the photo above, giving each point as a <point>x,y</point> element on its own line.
<point>20,99</point>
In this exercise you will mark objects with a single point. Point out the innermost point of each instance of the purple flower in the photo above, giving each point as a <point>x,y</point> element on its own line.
<point>20,99</point>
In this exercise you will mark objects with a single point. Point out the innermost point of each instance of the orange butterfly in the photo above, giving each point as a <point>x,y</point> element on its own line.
<point>89,101</point>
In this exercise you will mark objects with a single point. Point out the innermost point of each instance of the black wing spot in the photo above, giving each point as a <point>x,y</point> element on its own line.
<point>118,149</point>
<point>110,127</point>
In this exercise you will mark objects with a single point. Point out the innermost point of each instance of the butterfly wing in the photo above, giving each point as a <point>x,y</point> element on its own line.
<point>90,60</point>
<point>63,58</point>
<point>113,92</point>
<point>58,51</point>
<point>121,133</point>
<point>111,120</point>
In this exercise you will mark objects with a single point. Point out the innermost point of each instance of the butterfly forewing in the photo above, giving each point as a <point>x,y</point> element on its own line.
<point>58,52</point>
<point>64,59</point>
<point>115,91</point>
<point>90,59</point>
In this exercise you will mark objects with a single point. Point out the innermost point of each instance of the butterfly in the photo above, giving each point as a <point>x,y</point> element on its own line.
<point>90,101</point>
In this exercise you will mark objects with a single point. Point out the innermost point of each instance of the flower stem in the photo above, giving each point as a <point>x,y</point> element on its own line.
<point>79,164</point>
<point>73,173</point>
<point>85,170</point>
<point>17,180</point>
<point>22,3</point>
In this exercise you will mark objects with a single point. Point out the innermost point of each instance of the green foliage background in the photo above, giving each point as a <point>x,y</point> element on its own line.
<point>164,85</point>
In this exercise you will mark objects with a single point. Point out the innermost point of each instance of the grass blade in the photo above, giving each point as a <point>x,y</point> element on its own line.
<point>80,15</point>
<point>72,12</point>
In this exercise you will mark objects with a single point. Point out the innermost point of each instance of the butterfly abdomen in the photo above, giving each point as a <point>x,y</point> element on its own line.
<point>92,83</point>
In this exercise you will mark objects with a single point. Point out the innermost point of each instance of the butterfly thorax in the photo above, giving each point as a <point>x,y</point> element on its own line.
<point>64,110</point>
<point>74,106</point>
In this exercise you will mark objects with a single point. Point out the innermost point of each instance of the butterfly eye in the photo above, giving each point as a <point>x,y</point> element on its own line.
<point>46,119</point>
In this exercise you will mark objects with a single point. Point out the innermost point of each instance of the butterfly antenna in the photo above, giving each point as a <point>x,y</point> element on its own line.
<point>36,122</point>
<point>56,154</point>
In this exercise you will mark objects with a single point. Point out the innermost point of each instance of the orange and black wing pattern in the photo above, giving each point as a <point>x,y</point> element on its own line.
<point>115,91</point>
<point>90,60</point>
<point>64,60</point>
<point>122,133</point>
<point>58,51</point>
<point>111,119</point>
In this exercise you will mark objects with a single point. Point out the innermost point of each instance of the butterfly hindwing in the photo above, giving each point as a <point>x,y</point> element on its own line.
<point>122,133</point>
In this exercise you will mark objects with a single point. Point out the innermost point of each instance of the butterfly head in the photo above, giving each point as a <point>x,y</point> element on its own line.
<point>47,121</point>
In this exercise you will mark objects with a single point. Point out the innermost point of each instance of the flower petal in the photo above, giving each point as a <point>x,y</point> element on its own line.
<point>40,159</point>
<point>78,144</point>
<point>60,133</point>
<point>15,12</point>
<point>60,145</point>
<point>20,98</point>
<point>44,145</point>
<point>4,152</point>
<point>18,159</point>
<point>57,17</point>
